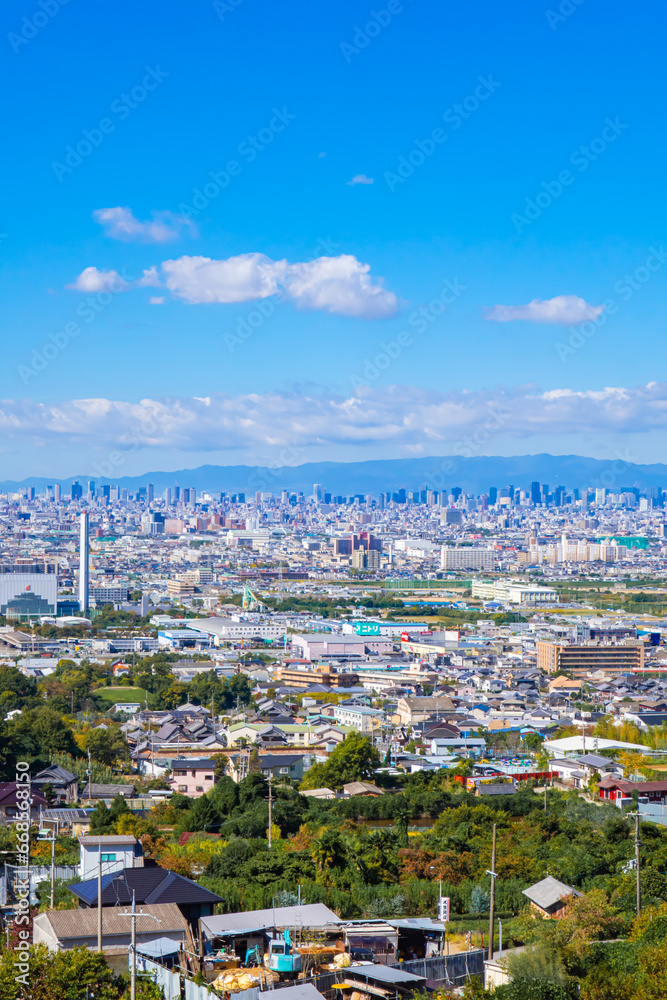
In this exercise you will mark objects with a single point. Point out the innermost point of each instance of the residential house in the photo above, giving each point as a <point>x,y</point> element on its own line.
<point>193,777</point>
<point>617,790</point>
<point>113,851</point>
<point>10,802</point>
<point>412,710</point>
<point>107,793</point>
<point>287,765</point>
<point>149,884</point>
<point>64,784</point>
<point>62,930</point>
<point>366,720</point>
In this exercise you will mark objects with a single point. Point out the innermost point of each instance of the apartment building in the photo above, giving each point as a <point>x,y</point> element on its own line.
<point>611,658</point>
<point>464,557</point>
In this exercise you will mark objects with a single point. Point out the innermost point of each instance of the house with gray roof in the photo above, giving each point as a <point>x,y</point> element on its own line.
<point>550,897</point>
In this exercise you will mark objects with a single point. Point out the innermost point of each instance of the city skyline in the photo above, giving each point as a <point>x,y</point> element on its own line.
<point>334,234</point>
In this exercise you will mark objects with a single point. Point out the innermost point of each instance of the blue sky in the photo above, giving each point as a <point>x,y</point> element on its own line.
<point>337,91</point>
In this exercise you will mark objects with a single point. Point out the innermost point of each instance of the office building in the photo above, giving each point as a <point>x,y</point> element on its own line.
<point>27,595</point>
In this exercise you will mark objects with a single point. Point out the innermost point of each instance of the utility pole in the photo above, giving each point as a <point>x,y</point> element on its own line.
<point>133,946</point>
<point>637,846</point>
<point>492,905</point>
<point>52,839</point>
<point>99,898</point>
<point>270,809</point>
<point>53,864</point>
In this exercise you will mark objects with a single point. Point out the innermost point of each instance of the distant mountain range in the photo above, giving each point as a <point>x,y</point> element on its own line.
<point>474,475</point>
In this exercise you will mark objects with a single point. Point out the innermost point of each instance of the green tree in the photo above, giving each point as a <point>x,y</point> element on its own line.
<point>107,746</point>
<point>355,759</point>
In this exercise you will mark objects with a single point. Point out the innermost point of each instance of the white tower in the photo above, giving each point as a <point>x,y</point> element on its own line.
<point>84,556</point>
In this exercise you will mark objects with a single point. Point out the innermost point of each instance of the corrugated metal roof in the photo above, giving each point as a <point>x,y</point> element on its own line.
<point>381,973</point>
<point>73,924</point>
<point>308,915</point>
<point>107,839</point>
<point>300,991</point>
<point>419,924</point>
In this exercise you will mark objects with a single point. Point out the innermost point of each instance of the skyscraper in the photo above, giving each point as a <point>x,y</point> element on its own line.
<point>84,555</point>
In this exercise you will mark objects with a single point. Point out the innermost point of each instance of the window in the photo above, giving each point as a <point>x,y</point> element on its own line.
<point>199,788</point>
<point>284,770</point>
<point>182,788</point>
<point>208,777</point>
<point>108,857</point>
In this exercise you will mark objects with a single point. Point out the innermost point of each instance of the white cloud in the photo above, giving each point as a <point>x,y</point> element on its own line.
<point>406,418</point>
<point>156,300</point>
<point>341,285</point>
<point>238,279</point>
<point>149,279</point>
<point>121,224</point>
<point>360,179</point>
<point>563,309</point>
<point>92,279</point>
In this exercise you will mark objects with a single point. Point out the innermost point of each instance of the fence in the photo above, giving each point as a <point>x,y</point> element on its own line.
<point>39,873</point>
<point>453,969</point>
<point>653,812</point>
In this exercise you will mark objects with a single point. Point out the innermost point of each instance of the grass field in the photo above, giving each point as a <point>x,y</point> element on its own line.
<point>114,694</point>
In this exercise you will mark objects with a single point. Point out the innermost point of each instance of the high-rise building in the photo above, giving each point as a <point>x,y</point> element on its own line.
<point>167,496</point>
<point>535,493</point>
<point>56,492</point>
<point>84,556</point>
<point>91,488</point>
<point>76,491</point>
<point>150,493</point>
<point>318,492</point>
